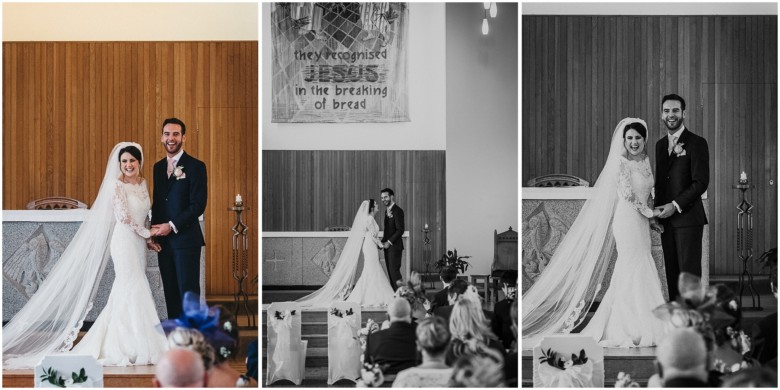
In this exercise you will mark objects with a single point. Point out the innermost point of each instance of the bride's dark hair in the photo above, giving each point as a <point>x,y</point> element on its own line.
<point>133,152</point>
<point>636,126</point>
<point>371,205</point>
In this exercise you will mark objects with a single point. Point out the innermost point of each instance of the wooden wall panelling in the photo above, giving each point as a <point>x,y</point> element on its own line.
<point>311,190</point>
<point>66,104</point>
<point>583,74</point>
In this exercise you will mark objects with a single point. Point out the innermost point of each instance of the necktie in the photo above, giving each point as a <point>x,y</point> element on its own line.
<point>171,165</point>
<point>672,143</point>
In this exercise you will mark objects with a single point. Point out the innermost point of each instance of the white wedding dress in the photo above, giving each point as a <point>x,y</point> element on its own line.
<point>126,331</point>
<point>615,216</point>
<point>373,287</point>
<point>624,317</point>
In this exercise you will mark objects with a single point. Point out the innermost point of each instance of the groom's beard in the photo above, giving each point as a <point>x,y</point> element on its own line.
<point>176,148</point>
<point>678,123</point>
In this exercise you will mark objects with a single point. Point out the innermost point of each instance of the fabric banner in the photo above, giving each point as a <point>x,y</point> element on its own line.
<point>339,62</point>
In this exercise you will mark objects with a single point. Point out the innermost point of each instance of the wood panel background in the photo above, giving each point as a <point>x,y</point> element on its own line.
<point>311,190</point>
<point>66,104</point>
<point>583,74</point>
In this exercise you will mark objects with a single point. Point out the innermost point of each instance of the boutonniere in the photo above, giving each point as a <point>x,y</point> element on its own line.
<point>389,213</point>
<point>678,150</point>
<point>179,173</point>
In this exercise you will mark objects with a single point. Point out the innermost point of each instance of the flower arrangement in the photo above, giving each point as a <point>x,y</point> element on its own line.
<point>370,375</point>
<point>338,313</point>
<point>50,375</point>
<point>624,380</point>
<point>363,333</point>
<point>551,357</point>
<point>451,259</point>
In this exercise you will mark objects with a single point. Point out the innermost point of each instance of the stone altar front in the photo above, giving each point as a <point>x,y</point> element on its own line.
<point>307,258</point>
<point>547,214</point>
<point>33,241</point>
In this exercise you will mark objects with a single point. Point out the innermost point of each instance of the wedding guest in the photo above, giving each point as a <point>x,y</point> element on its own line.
<point>501,324</point>
<point>456,288</point>
<point>681,359</point>
<point>510,363</point>
<point>413,291</point>
<point>180,367</point>
<point>446,275</point>
<point>193,340</point>
<point>432,340</point>
<point>482,369</point>
<point>469,331</point>
<point>395,346</point>
<point>224,342</point>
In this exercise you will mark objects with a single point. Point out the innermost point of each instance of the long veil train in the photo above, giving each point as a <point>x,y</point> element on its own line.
<point>343,277</point>
<point>560,299</point>
<point>52,318</point>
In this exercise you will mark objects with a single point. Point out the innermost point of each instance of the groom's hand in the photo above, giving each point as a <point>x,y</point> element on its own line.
<point>153,246</point>
<point>666,210</point>
<point>164,229</point>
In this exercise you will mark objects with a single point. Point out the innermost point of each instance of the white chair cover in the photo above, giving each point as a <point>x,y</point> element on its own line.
<point>66,365</point>
<point>590,374</point>
<point>343,346</point>
<point>286,352</point>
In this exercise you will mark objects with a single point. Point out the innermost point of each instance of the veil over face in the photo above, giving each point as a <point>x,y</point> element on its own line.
<point>560,298</point>
<point>52,318</point>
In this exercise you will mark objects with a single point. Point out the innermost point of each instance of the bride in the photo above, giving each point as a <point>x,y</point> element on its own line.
<point>618,213</point>
<point>126,331</point>
<point>373,287</point>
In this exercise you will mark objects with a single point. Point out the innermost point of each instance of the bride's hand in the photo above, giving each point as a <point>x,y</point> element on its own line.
<point>154,230</point>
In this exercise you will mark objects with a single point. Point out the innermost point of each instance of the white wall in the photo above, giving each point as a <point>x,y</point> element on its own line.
<point>130,22</point>
<point>427,98</point>
<point>482,130</point>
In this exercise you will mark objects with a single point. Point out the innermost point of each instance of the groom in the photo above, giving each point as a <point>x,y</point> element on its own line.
<point>682,175</point>
<point>180,193</point>
<point>391,238</point>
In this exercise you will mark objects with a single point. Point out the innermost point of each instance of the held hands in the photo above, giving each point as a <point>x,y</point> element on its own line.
<point>152,246</point>
<point>161,230</point>
<point>665,211</point>
<point>655,226</point>
<point>386,245</point>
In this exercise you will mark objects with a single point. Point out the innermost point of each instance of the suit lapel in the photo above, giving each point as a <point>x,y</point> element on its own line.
<point>172,178</point>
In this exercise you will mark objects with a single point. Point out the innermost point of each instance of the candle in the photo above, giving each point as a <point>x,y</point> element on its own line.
<point>426,226</point>
<point>238,198</point>
<point>743,176</point>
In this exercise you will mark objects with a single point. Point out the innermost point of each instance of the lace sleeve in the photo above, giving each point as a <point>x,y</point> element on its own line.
<point>122,211</point>
<point>626,191</point>
<point>374,230</point>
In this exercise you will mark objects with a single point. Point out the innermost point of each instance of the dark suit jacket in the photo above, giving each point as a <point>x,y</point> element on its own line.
<point>439,300</point>
<point>683,179</point>
<point>395,347</point>
<point>394,228</point>
<point>501,324</point>
<point>181,201</point>
<point>764,338</point>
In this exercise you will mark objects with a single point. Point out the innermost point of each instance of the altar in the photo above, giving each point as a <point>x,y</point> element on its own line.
<point>33,241</point>
<point>307,258</point>
<point>547,214</point>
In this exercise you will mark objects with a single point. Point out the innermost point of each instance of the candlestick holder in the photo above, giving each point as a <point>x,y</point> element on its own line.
<point>427,254</point>
<point>240,263</point>
<point>745,246</point>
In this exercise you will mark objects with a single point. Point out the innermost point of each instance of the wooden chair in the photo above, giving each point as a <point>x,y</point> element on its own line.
<point>557,180</point>
<point>505,257</point>
<point>56,203</point>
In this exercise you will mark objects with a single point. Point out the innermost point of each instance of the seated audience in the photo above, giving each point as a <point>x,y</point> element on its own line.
<point>432,340</point>
<point>456,288</point>
<point>681,359</point>
<point>501,324</point>
<point>395,346</point>
<point>413,291</point>
<point>483,369</point>
<point>469,331</point>
<point>224,341</point>
<point>179,367</point>
<point>446,275</point>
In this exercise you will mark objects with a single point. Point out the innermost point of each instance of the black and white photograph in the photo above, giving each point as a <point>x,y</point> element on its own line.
<point>649,198</point>
<point>130,195</point>
<point>389,194</point>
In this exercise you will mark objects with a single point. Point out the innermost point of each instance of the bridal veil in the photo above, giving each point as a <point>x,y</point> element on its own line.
<point>560,298</point>
<point>343,277</point>
<point>50,321</point>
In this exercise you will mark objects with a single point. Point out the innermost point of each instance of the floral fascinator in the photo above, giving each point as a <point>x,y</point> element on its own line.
<point>198,316</point>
